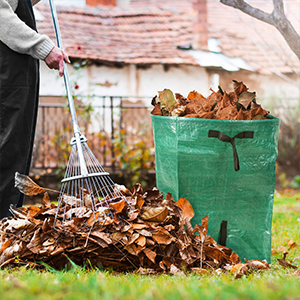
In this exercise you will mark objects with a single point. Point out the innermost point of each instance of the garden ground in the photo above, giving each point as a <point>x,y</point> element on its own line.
<point>274,283</point>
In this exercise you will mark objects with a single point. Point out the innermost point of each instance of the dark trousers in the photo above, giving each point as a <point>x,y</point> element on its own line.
<point>19,90</point>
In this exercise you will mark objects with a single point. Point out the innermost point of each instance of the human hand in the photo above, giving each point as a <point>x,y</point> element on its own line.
<point>56,58</point>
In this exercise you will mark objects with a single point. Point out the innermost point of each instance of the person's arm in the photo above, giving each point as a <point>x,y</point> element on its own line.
<point>19,37</point>
<point>55,59</point>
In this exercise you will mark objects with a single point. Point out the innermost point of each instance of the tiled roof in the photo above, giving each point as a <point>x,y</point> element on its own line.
<point>150,32</point>
<point>138,35</point>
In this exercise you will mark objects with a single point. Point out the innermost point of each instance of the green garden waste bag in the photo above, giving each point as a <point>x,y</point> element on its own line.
<point>226,169</point>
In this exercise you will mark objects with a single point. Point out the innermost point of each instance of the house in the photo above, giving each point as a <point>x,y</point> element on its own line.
<point>185,43</point>
<point>132,49</point>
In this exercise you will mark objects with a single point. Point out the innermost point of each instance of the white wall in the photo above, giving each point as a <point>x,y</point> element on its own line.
<point>133,81</point>
<point>127,81</point>
<point>181,80</point>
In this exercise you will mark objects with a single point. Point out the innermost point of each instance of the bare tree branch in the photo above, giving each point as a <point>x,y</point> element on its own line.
<point>277,18</point>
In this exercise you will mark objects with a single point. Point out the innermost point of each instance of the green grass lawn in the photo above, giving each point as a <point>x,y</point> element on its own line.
<point>275,283</point>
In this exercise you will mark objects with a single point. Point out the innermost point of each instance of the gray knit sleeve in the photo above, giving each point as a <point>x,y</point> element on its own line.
<point>19,37</point>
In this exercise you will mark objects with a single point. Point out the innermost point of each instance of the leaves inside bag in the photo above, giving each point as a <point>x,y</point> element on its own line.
<point>239,104</point>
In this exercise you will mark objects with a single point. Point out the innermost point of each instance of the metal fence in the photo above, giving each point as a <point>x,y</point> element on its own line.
<point>100,122</point>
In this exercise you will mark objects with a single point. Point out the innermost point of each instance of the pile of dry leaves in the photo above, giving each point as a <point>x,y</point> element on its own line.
<point>237,105</point>
<point>146,232</point>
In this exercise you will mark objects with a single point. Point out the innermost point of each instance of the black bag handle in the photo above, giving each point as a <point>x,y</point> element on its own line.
<point>223,233</point>
<point>225,138</point>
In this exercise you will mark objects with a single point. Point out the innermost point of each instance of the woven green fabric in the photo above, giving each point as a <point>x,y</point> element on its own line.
<point>191,161</point>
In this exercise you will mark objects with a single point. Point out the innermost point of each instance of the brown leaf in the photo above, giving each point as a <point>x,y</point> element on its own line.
<point>240,115</point>
<point>207,115</point>
<point>258,117</point>
<point>292,244</point>
<point>72,201</point>
<point>187,254</point>
<point>145,232</point>
<point>246,98</point>
<point>18,212</point>
<point>102,235</point>
<point>225,101</point>
<point>256,264</point>
<point>100,215</point>
<point>187,212</point>
<point>233,98</point>
<point>27,186</point>
<point>170,202</point>
<point>155,214</point>
<point>150,254</point>
<point>139,226</point>
<point>199,271</point>
<point>98,241</point>
<point>146,271</point>
<point>32,211</point>
<point>156,110</point>
<point>139,201</point>
<point>46,201</point>
<point>214,253</point>
<point>239,87</point>
<point>258,111</point>
<point>169,227</point>
<point>57,251</point>
<point>137,189</point>
<point>150,242</point>
<point>234,258</point>
<point>197,106</point>
<point>179,111</point>
<point>123,189</point>
<point>162,266</point>
<point>194,95</point>
<point>167,100</point>
<point>296,273</point>
<point>180,99</point>
<point>78,212</point>
<point>48,242</point>
<point>214,97</point>
<point>247,115</point>
<point>141,241</point>
<point>162,238</point>
<point>284,263</point>
<point>133,214</point>
<point>227,113</point>
<point>239,270</point>
<point>35,244</point>
<point>133,238</point>
<point>202,230</point>
<point>13,224</point>
<point>117,236</point>
<point>153,195</point>
<point>5,245</point>
<point>118,206</point>
<point>176,271</point>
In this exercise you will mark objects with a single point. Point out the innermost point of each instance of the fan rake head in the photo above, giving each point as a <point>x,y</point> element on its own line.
<point>86,194</point>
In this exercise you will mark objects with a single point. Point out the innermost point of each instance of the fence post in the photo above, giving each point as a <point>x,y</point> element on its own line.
<point>112,133</point>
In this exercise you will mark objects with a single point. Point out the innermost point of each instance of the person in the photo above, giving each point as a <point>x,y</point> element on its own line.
<point>21,48</point>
